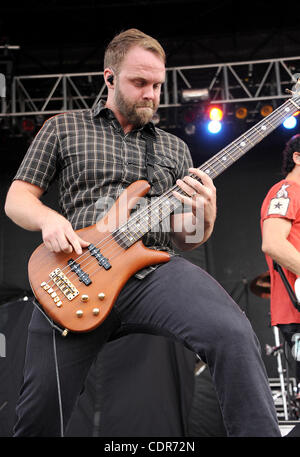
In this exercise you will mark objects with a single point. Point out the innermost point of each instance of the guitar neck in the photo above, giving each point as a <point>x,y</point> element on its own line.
<point>149,217</point>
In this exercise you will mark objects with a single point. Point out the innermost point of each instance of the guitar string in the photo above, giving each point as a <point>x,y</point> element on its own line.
<point>217,168</point>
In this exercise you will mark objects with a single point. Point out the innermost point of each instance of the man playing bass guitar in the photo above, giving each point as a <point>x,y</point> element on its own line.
<point>95,154</point>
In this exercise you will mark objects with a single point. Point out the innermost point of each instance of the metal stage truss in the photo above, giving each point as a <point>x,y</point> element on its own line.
<point>228,83</point>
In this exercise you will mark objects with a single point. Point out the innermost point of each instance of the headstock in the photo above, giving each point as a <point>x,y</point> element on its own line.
<point>296,87</point>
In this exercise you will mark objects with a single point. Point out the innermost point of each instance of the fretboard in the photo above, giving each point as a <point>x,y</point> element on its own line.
<point>148,218</point>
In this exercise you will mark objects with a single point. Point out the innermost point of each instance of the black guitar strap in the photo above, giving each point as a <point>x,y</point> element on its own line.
<point>150,156</point>
<point>287,285</point>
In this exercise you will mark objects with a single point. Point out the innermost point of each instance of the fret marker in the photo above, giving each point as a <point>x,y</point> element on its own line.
<point>207,171</point>
<point>224,158</point>
<point>263,127</point>
<point>243,144</point>
<point>287,109</point>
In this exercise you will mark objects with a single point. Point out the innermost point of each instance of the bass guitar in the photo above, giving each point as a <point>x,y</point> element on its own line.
<point>78,291</point>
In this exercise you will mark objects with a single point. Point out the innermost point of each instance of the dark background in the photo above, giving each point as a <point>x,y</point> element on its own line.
<point>63,36</point>
<point>71,36</point>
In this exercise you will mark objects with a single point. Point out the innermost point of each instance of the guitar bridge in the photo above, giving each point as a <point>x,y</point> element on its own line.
<point>63,283</point>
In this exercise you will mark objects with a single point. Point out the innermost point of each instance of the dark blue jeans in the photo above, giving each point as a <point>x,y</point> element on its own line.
<point>178,300</point>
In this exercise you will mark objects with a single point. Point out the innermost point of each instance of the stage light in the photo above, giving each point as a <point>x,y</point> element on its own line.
<point>241,112</point>
<point>290,122</point>
<point>215,114</point>
<point>266,110</point>
<point>214,127</point>
<point>194,95</point>
<point>190,129</point>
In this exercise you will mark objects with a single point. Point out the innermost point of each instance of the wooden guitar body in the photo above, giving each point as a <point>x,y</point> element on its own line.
<point>75,304</point>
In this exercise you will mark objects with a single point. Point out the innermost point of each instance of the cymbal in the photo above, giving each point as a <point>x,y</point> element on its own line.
<point>261,285</point>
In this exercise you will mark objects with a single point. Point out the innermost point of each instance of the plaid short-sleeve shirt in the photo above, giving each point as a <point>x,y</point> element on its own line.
<point>92,159</point>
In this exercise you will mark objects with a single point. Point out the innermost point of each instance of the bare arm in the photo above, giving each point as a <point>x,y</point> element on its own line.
<point>277,246</point>
<point>24,207</point>
<point>193,228</point>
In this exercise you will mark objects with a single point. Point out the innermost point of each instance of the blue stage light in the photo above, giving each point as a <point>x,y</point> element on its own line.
<point>290,122</point>
<point>214,126</point>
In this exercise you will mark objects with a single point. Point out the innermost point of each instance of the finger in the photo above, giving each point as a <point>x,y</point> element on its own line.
<point>64,245</point>
<point>74,241</point>
<point>194,189</point>
<point>83,243</point>
<point>77,242</point>
<point>195,185</point>
<point>56,245</point>
<point>206,180</point>
<point>188,189</point>
<point>48,245</point>
<point>206,187</point>
<point>193,202</point>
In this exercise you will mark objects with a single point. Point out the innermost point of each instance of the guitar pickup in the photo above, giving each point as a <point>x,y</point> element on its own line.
<point>103,261</point>
<point>83,277</point>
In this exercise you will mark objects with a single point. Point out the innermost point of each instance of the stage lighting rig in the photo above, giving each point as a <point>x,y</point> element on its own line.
<point>266,110</point>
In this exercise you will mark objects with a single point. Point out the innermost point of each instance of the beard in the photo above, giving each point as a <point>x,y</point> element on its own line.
<point>137,114</point>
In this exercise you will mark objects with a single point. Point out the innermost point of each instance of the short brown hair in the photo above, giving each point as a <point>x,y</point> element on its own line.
<point>121,43</point>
